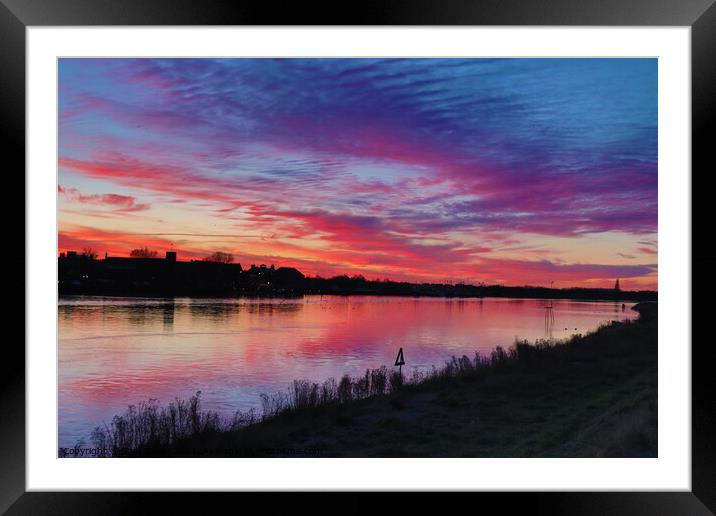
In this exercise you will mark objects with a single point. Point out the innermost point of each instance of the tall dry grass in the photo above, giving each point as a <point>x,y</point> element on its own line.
<point>149,424</point>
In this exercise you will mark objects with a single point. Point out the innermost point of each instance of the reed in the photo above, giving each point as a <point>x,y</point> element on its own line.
<point>149,424</point>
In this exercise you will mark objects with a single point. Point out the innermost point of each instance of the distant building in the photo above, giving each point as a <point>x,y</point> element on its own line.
<point>145,276</point>
<point>288,274</point>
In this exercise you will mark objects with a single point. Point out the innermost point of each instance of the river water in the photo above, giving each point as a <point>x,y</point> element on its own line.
<point>119,351</point>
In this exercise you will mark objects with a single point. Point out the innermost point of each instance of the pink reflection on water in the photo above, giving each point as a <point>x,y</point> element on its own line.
<point>119,351</point>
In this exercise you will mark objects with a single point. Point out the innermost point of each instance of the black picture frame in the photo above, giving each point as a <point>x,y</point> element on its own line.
<point>700,15</point>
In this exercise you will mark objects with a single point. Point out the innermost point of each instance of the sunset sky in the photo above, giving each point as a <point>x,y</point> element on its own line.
<point>513,171</point>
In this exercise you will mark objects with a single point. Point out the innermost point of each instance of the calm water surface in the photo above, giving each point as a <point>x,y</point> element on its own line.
<point>119,351</point>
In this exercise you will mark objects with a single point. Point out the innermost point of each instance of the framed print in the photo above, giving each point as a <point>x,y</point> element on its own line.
<point>409,249</point>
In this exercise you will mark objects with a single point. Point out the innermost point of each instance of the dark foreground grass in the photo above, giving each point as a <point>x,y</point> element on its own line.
<point>589,396</point>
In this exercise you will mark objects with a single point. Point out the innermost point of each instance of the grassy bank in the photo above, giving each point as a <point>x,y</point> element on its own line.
<point>590,396</point>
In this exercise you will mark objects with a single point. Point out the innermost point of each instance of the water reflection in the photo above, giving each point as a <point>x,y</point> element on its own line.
<point>117,351</point>
<point>168,315</point>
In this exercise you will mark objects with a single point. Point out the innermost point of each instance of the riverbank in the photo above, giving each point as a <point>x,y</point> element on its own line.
<point>593,396</point>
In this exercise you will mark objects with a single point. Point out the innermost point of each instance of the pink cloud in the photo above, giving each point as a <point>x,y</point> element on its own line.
<point>123,203</point>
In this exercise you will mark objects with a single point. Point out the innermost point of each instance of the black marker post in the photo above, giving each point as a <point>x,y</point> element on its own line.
<point>399,361</point>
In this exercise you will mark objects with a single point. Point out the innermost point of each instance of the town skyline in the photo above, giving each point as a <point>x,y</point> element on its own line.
<point>220,257</point>
<point>500,171</point>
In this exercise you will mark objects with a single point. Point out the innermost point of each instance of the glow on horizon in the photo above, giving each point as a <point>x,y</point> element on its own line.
<point>512,171</point>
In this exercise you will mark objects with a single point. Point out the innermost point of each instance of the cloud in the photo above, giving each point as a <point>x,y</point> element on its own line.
<point>118,203</point>
<point>402,165</point>
<point>542,272</point>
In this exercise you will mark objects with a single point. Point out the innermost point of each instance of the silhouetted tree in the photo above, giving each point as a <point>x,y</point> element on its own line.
<point>220,257</point>
<point>616,286</point>
<point>90,253</point>
<point>144,252</point>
